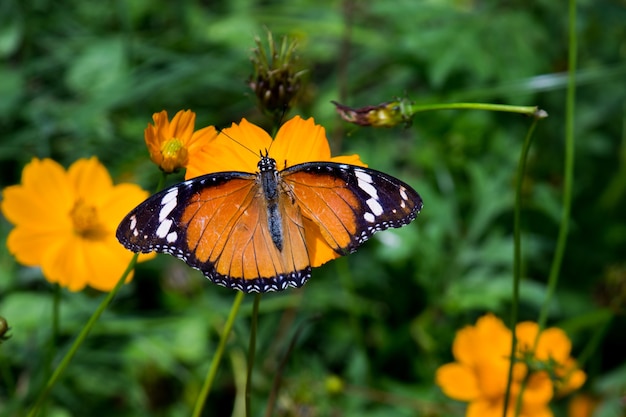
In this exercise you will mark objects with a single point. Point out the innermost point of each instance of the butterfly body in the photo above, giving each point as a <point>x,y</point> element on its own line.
<point>259,232</point>
<point>270,181</point>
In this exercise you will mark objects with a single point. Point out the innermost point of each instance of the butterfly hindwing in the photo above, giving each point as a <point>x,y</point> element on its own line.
<point>350,203</point>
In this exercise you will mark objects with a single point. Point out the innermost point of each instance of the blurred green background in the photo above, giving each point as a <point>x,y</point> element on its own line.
<point>83,78</point>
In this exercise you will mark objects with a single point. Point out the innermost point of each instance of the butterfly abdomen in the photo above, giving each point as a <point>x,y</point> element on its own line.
<point>269,183</point>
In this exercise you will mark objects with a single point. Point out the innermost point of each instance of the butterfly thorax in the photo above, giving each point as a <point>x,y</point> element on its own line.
<point>269,178</point>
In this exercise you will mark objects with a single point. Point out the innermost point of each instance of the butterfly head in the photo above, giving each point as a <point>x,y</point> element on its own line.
<point>266,164</point>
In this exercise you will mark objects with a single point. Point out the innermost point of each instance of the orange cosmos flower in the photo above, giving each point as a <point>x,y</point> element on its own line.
<point>65,222</point>
<point>479,375</point>
<point>173,144</point>
<point>237,149</point>
<point>553,347</point>
<point>582,405</point>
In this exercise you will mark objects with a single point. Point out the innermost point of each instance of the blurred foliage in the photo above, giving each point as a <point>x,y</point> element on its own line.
<point>83,78</point>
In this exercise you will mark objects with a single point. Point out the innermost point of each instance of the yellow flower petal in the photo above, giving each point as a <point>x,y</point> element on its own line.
<point>28,246</point>
<point>582,405</point>
<point>87,175</point>
<point>349,159</point>
<point>553,343</point>
<point>182,125</point>
<point>43,196</point>
<point>235,149</point>
<point>486,408</point>
<point>64,263</point>
<point>570,377</point>
<point>117,202</point>
<point>300,141</point>
<point>489,339</point>
<point>106,262</point>
<point>66,222</point>
<point>319,251</point>
<point>24,206</point>
<point>539,390</point>
<point>201,138</point>
<point>458,381</point>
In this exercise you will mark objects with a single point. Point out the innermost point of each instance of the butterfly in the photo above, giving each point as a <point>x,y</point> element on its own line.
<point>247,231</point>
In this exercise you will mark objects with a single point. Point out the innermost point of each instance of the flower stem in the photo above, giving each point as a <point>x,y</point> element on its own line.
<point>570,106</point>
<point>527,110</point>
<point>517,256</point>
<point>54,334</point>
<point>206,388</point>
<point>81,338</point>
<point>252,349</point>
<point>567,199</point>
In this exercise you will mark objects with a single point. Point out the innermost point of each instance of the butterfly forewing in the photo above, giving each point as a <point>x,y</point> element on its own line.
<point>350,203</point>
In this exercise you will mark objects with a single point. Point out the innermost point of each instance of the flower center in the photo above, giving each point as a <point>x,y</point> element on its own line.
<point>173,148</point>
<point>86,221</point>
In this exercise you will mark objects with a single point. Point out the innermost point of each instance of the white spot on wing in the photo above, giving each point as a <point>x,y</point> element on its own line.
<point>369,217</point>
<point>168,203</point>
<point>368,188</point>
<point>133,222</point>
<point>164,228</point>
<point>171,237</point>
<point>403,193</point>
<point>375,206</point>
<point>364,181</point>
<point>360,174</point>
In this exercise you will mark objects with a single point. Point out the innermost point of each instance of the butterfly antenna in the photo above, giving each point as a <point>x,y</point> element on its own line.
<point>237,142</point>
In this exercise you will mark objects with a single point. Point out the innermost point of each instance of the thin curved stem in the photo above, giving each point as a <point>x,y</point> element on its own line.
<point>570,106</point>
<point>215,361</point>
<point>81,338</point>
<point>517,256</point>
<point>553,278</point>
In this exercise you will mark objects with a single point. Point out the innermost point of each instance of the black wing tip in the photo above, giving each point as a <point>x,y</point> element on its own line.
<point>366,234</point>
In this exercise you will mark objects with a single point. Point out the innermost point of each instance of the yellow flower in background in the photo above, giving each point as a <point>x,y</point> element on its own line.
<point>553,347</point>
<point>582,405</point>
<point>479,374</point>
<point>237,148</point>
<point>173,144</point>
<point>65,222</point>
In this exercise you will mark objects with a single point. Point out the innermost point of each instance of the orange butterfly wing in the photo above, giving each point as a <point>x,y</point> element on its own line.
<point>348,204</point>
<point>220,223</point>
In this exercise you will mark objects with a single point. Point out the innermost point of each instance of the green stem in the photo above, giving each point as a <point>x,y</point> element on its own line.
<point>517,255</point>
<point>570,106</point>
<point>596,339</point>
<point>527,110</point>
<point>251,350</point>
<point>567,192</point>
<point>81,338</point>
<point>54,334</point>
<point>215,361</point>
